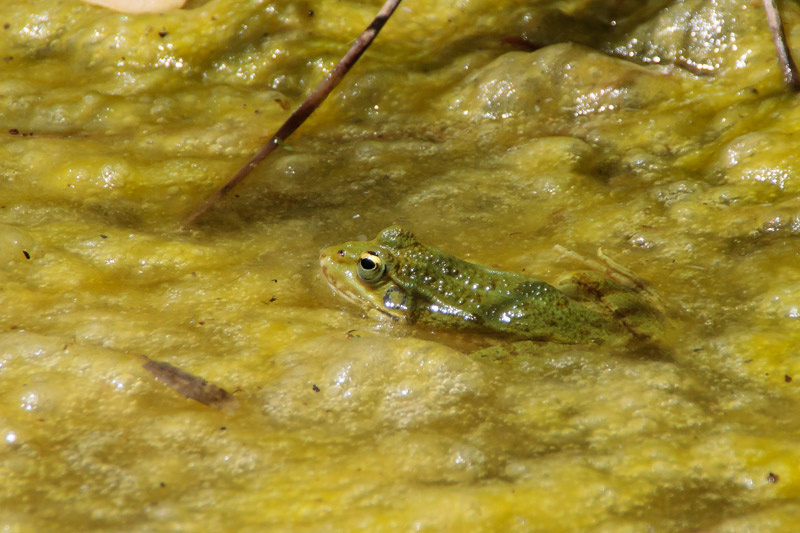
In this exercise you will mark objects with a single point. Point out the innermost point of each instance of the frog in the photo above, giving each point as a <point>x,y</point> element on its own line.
<point>400,279</point>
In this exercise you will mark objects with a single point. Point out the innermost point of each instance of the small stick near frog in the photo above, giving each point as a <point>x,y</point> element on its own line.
<point>191,386</point>
<point>790,74</point>
<point>306,108</point>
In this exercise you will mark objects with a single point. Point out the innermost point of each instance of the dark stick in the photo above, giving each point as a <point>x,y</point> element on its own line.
<point>306,108</point>
<point>790,74</point>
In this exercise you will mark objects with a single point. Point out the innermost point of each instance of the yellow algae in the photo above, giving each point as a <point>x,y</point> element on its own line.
<point>659,131</point>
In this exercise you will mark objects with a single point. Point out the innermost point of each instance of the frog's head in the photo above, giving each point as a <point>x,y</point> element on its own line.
<point>362,271</point>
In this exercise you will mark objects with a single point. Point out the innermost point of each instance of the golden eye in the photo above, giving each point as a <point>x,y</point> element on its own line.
<point>370,268</point>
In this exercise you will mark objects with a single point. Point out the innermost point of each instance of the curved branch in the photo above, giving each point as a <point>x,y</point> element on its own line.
<point>306,108</point>
<point>790,74</point>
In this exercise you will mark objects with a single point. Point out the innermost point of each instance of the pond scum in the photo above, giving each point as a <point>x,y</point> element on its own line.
<point>662,132</point>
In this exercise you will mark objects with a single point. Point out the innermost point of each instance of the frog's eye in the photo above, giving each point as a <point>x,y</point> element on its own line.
<point>370,267</point>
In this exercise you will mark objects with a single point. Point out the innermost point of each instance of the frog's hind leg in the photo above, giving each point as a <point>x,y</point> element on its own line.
<point>622,293</point>
<point>612,271</point>
<point>607,266</point>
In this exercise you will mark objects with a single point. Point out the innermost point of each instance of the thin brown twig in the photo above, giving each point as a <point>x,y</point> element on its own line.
<point>306,108</point>
<point>790,74</point>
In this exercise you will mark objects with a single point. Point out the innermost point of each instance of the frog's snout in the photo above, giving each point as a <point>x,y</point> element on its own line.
<point>328,262</point>
<point>324,260</point>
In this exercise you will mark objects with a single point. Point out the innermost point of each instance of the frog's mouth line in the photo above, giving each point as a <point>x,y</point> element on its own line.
<point>354,298</point>
<point>360,302</point>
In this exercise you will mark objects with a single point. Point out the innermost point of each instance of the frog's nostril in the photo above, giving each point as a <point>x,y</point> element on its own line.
<point>341,253</point>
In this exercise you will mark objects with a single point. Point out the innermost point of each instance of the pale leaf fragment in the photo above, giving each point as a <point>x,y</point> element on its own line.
<point>139,6</point>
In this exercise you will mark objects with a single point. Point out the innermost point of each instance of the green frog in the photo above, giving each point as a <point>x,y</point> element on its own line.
<point>408,281</point>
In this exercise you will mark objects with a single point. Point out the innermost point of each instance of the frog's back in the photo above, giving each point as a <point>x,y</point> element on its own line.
<point>537,310</point>
<point>454,293</point>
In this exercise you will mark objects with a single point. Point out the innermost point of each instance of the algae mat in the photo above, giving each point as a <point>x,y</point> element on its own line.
<point>660,131</point>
